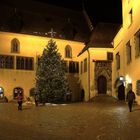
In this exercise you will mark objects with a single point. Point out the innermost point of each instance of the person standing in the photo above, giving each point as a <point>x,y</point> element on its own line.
<point>36,98</point>
<point>130,98</point>
<point>19,101</point>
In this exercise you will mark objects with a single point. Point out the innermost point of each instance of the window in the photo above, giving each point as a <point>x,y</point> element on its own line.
<point>110,56</point>
<point>128,52</point>
<point>85,65</point>
<point>137,44</point>
<point>73,67</point>
<point>81,67</point>
<point>117,61</point>
<point>15,46</point>
<point>68,52</point>
<point>130,17</point>
<point>24,63</point>
<point>138,87</point>
<point>6,62</point>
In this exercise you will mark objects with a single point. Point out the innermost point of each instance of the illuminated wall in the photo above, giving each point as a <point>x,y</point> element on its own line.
<point>30,46</point>
<point>128,37</point>
<point>87,78</point>
<point>126,45</point>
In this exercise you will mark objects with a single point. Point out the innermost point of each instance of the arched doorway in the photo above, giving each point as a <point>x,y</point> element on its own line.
<point>102,84</point>
<point>120,88</point>
<point>17,91</point>
<point>82,95</point>
<point>121,92</point>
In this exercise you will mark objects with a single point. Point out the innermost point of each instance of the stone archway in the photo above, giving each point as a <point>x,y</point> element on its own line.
<point>102,84</point>
<point>103,69</point>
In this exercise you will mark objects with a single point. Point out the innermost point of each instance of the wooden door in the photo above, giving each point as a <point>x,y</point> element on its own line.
<point>102,85</point>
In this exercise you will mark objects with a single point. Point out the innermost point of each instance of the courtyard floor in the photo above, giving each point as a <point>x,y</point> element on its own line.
<point>104,118</point>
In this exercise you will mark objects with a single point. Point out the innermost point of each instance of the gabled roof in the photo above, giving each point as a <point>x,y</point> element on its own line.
<point>37,18</point>
<point>102,36</point>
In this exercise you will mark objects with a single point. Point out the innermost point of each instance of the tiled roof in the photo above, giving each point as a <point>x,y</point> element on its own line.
<point>102,36</point>
<point>36,18</point>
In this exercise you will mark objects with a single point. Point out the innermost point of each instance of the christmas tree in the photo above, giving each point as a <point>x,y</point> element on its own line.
<point>51,80</point>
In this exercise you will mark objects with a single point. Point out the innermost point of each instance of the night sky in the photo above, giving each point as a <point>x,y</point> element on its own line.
<point>98,10</point>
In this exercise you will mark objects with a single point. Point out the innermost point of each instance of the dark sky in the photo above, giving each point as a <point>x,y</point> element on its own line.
<point>98,10</point>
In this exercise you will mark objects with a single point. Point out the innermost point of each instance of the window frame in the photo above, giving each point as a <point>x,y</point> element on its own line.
<point>137,43</point>
<point>15,46</point>
<point>128,52</point>
<point>68,51</point>
<point>118,61</point>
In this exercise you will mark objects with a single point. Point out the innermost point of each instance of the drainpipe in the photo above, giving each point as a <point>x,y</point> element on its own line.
<point>88,73</point>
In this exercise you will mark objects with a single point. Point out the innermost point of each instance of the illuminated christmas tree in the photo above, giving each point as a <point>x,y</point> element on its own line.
<point>51,80</point>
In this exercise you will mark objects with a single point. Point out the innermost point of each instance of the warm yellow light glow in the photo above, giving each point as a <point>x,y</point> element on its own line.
<point>121,78</point>
<point>128,79</point>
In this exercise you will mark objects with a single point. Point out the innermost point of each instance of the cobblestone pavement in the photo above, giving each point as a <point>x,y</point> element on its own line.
<point>102,119</point>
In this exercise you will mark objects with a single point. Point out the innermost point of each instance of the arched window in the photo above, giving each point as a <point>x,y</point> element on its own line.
<point>15,46</point>
<point>68,52</point>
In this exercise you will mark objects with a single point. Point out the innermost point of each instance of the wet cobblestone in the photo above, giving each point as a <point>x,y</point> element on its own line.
<point>104,118</point>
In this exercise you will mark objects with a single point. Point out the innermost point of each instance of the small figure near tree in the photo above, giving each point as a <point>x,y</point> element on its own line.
<point>36,98</point>
<point>68,96</point>
<point>51,80</point>
<point>19,100</point>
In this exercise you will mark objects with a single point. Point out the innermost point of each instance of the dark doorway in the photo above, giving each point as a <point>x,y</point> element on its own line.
<point>102,85</point>
<point>82,95</point>
<point>121,92</point>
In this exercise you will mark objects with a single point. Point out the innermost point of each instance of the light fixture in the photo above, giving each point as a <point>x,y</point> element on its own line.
<point>121,78</point>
